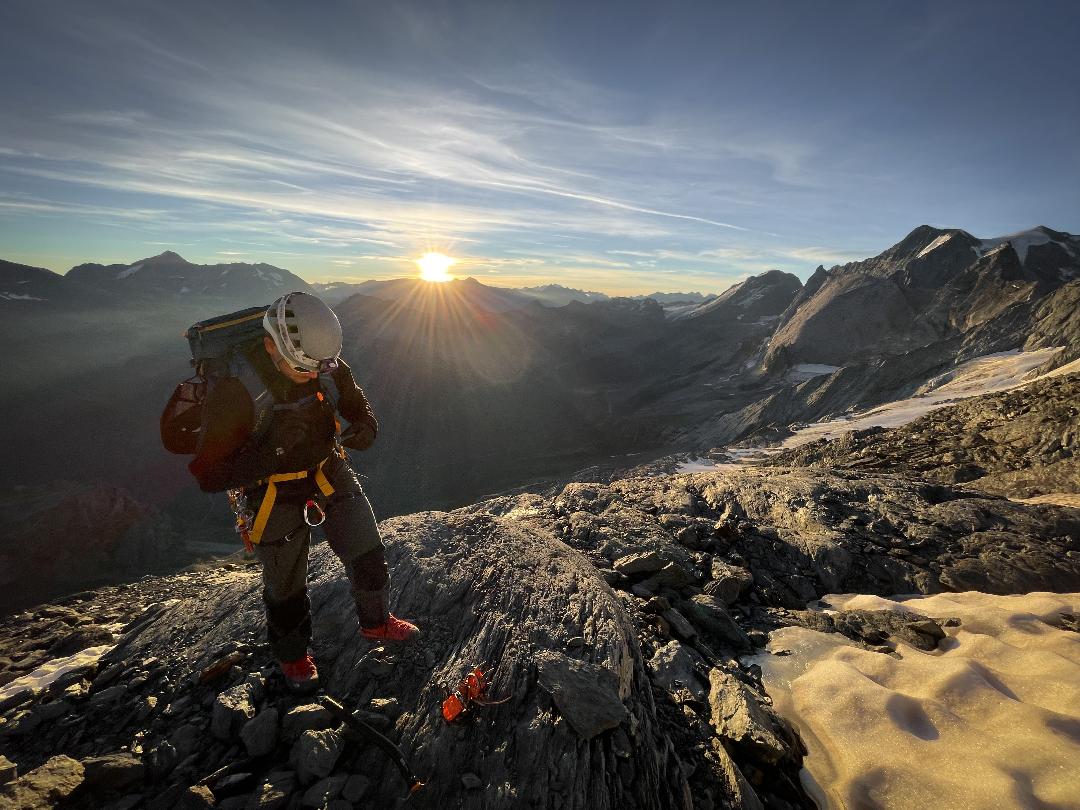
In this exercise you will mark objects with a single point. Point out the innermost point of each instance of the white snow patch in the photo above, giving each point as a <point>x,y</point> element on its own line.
<point>130,271</point>
<point>989,708</point>
<point>696,465</point>
<point>10,296</point>
<point>941,240</point>
<point>1020,242</point>
<point>983,375</point>
<point>50,671</point>
<point>806,371</point>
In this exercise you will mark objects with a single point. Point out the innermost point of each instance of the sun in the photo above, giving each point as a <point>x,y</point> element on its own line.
<point>433,267</point>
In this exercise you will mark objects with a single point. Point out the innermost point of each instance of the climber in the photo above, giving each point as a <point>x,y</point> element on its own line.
<point>294,474</point>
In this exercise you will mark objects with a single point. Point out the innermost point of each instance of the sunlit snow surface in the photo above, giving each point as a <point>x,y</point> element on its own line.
<point>50,671</point>
<point>989,720</point>
<point>983,375</point>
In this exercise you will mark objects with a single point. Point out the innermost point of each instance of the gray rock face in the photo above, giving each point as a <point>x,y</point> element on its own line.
<point>586,695</point>
<point>932,285</point>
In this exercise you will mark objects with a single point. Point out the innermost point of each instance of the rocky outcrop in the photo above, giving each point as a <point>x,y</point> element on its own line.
<point>931,286</point>
<point>610,616</point>
<point>1020,443</point>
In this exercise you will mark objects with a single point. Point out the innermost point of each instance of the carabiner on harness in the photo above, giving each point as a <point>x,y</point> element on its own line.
<point>320,515</point>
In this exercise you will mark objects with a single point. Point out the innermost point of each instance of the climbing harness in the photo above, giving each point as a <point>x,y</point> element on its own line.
<point>358,726</point>
<point>470,692</point>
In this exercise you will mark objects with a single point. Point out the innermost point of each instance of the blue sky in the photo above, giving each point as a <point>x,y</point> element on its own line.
<point>626,147</point>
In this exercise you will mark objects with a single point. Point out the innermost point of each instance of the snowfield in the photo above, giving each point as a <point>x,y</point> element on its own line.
<point>988,720</point>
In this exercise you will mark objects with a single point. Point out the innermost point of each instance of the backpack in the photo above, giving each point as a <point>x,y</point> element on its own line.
<point>218,349</point>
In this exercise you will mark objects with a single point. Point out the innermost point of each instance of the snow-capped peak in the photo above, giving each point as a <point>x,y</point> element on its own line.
<point>941,240</point>
<point>1024,240</point>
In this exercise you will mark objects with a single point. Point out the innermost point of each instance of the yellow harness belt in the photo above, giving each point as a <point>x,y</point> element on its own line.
<point>267,505</point>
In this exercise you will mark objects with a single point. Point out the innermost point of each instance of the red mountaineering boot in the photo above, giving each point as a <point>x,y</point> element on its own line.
<point>393,629</point>
<point>301,674</point>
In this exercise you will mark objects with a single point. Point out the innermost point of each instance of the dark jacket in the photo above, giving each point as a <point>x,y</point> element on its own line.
<point>294,440</point>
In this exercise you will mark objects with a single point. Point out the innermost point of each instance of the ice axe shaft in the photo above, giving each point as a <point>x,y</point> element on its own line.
<point>343,715</point>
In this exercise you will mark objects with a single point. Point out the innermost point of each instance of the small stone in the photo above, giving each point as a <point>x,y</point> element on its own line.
<point>47,712</point>
<point>108,675</point>
<point>679,625</point>
<point>470,781</point>
<point>108,695</point>
<point>260,734</point>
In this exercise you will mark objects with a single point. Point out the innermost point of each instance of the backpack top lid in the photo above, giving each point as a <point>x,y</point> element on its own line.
<point>217,338</point>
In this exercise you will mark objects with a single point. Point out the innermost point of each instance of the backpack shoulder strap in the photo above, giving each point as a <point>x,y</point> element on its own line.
<point>262,400</point>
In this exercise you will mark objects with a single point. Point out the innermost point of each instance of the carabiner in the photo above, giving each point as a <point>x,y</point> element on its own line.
<point>320,514</point>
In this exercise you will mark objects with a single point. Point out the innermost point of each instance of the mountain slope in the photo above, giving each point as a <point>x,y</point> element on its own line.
<point>932,285</point>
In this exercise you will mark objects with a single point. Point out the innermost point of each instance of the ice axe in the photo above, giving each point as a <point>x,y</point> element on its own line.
<point>364,729</point>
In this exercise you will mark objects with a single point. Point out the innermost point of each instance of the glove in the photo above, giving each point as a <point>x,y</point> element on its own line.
<point>359,436</point>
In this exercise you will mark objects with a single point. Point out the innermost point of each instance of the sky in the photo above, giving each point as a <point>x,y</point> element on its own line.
<point>624,147</point>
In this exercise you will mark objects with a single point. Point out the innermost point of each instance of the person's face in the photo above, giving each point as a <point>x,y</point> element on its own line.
<point>283,366</point>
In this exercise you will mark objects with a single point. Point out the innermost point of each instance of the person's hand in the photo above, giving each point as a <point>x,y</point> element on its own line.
<point>358,436</point>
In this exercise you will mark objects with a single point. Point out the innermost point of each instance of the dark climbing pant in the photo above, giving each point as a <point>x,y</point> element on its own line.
<point>352,534</point>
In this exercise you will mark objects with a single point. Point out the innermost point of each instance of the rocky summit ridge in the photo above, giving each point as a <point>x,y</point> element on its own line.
<point>613,617</point>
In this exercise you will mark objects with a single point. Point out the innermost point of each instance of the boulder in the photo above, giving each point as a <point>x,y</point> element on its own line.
<point>738,717</point>
<point>315,754</point>
<point>674,665</point>
<point>309,717</point>
<point>585,694</point>
<point>646,562</point>
<point>709,614</point>
<point>232,709</point>
<point>729,582</point>
<point>260,734</point>
<point>113,772</point>
<point>45,786</point>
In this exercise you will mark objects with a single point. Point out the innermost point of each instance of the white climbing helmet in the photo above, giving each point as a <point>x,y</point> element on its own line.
<point>305,330</point>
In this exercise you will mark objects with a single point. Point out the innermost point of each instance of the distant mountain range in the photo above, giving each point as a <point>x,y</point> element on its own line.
<point>169,276</point>
<point>481,388</point>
